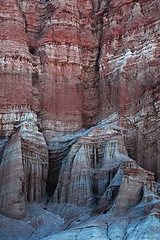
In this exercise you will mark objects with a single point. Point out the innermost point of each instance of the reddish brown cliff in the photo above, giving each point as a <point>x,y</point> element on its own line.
<point>16,61</point>
<point>70,64</point>
<point>129,69</point>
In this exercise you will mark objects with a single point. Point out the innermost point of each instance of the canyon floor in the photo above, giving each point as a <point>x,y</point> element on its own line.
<point>43,223</point>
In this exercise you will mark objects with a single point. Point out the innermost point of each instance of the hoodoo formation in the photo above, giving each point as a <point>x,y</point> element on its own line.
<point>80,119</point>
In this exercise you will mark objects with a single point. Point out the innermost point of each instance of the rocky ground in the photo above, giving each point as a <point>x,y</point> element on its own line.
<point>142,222</point>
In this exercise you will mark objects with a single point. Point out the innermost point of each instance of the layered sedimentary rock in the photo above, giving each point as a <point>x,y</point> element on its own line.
<point>24,168</point>
<point>98,170</point>
<point>35,159</point>
<point>134,181</point>
<point>76,62</point>
<point>12,198</point>
<point>129,69</point>
<point>65,65</point>
<point>57,74</point>
<point>16,61</point>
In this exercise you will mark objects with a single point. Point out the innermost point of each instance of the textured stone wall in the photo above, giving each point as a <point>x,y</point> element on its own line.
<point>12,197</point>
<point>98,173</point>
<point>16,61</point>
<point>66,65</point>
<point>23,166</point>
<point>129,70</point>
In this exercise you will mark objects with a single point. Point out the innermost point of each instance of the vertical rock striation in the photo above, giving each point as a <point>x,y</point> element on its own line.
<point>129,70</point>
<point>98,173</point>
<point>64,66</point>
<point>16,61</point>
<point>23,168</point>
<point>12,198</point>
<point>35,159</point>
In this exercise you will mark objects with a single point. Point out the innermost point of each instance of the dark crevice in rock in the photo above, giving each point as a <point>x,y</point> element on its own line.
<point>32,50</point>
<point>92,111</point>
<point>100,39</point>
<point>56,156</point>
<point>44,1</point>
<point>35,78</point>
<point>43,15</point>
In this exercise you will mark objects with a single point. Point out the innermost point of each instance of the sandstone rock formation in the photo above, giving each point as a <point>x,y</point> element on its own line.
<point>79,61</point>
<point>23,168</point>
<point>129,69</point>
<point>35,159</point>
<point>12,198</point>
<point>98,171</point>
<point>80,110</point>
<point>90,166</point>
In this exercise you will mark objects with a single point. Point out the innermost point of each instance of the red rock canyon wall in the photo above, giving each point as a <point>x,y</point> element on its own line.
<point>66,65</point>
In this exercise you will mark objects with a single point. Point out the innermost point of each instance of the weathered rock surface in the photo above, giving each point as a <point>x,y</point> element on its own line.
<point>98,170</point>
<point>135,181</point>
<point>74,63</point>
<point>24,168</point>
<point>15,59</point>
<point>38,224</point>
<point>12,198</point>
<point>100,233</point>
<point>129,70</point>
<point>130,226</point>
<point>35,159</point>
<point>64,66</point>
<point>90,166</point>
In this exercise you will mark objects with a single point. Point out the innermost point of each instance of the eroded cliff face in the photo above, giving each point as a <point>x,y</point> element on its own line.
<point>24,167</point>
<point>79,104</point>
<point>129,69</point>
<point>75,62</point>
